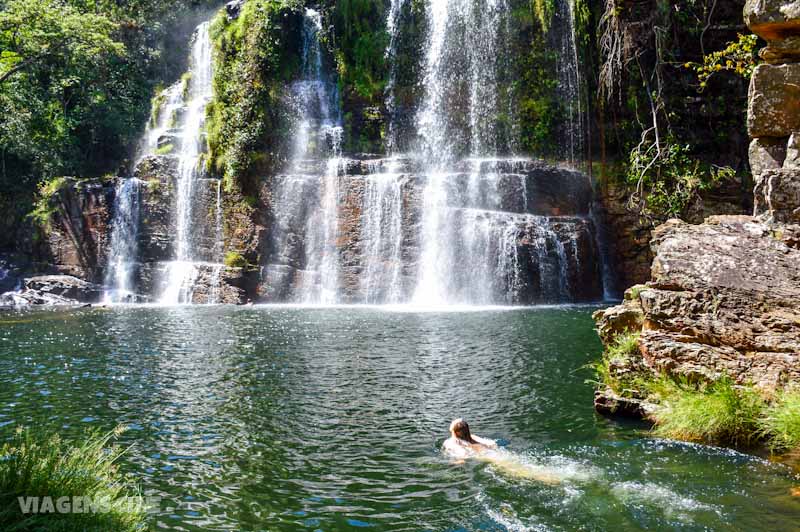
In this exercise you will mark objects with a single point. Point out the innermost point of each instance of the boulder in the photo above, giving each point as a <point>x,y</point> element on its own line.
<point>767,153</point>
<point>774,101</point>
<point>56,290</point>
<point>773,20</point>
<point>777,195</point>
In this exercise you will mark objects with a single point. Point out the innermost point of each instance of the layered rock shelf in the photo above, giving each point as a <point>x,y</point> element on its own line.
<point>529,219</point>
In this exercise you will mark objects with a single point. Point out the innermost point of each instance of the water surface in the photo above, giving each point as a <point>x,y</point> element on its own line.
<point>332,419</point>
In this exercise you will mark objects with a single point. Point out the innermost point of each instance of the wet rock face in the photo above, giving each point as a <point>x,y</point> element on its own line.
<point>158,204</point>
<point>77,241</point>
<point>529,238</point>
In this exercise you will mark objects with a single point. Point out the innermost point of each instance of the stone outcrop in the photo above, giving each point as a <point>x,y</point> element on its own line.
<point>778,23</point>
<point>77,239</point>
<point>724,299</point>
<point>724,296</point>
<point>53,290</point>
<point>774,101</point>
<point>629,234</point>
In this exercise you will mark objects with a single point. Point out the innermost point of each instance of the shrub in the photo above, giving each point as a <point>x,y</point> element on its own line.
<point>33,465</point>
<point>44,209</point>
<point>718,413</point>
<point>234,259</point>
<point>781,421</point>
<point>166,149</point>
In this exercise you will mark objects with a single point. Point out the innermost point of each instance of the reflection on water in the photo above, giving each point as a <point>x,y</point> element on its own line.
<point>333,419</point>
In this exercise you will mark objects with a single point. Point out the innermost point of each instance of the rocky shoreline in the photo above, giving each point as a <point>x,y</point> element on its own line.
<point>723,299</point>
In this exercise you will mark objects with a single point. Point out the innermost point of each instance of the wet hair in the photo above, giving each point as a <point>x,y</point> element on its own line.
<point>460,429</point>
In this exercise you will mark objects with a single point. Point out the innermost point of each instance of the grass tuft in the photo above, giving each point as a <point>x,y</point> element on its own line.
<point>615,356</point>
<point>33,465</point>
<point>718,413</point>
<point>781,421</point>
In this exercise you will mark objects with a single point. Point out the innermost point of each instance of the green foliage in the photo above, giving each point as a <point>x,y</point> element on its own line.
<point>781,421</point>
<point>360,41</point>
<point>156,104</point>
<point>668,177</point>
<point>39,32</point>
<point>166,149</point>
<point>33,465</point>
<point>253,57</point>
<point>624,346</point>
<point>709,413</point>
<point>234,259</point>
<point>615,357</point>
<point>186,80</point>
<point>738,57</point>
<point>538,108</point>
<point>544,10</point>
<point>43,207</point>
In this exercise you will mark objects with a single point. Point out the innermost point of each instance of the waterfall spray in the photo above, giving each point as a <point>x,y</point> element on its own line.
<point>182,272</point>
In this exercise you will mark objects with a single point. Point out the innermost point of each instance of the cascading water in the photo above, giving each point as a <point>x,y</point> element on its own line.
<point>456,221</point>
<point>174,133</point>
<point>124,243</point>
<point>569,79</point>
<point>471,242</point>
<point>310,189</point>
<point>393,29</point>
<point>463,50</point>
<point>182,272</point>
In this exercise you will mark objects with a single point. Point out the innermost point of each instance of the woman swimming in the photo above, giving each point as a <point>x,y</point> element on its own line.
<point>463,444</point>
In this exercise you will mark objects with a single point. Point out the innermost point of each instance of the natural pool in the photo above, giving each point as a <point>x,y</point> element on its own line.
<point>331,419</point>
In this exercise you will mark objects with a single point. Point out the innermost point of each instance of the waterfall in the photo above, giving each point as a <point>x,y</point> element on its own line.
<point>569,80</point>
<point>393,29</point>
<point>119,278</point>
<point>382,234</point>
<point>306,199</point>
<point>464,49</point>
<point>182,272</point>
<point>456,221</point>
<point>120,273</point>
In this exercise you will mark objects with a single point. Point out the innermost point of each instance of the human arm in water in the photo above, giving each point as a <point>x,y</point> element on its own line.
<point>492,444</point>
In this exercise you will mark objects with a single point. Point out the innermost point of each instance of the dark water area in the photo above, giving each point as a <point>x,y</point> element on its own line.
<point>284,418</point>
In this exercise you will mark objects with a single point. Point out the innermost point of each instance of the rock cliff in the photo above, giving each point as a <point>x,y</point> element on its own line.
<point>723,297</point>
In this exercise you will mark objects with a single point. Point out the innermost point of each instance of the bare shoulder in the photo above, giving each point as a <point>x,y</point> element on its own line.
<point>454,450</point>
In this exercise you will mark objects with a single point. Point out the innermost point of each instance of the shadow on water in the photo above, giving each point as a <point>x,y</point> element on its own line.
<point>286,418</point>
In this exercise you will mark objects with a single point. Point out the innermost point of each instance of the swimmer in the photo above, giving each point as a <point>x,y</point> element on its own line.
<point>463,444</point>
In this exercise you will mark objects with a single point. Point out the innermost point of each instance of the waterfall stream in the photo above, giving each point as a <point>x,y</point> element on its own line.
<point>310,190</point>
<point>175,133</point>
<point>124,243</point>
<point>182,272</point>
<point>456,220</point>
